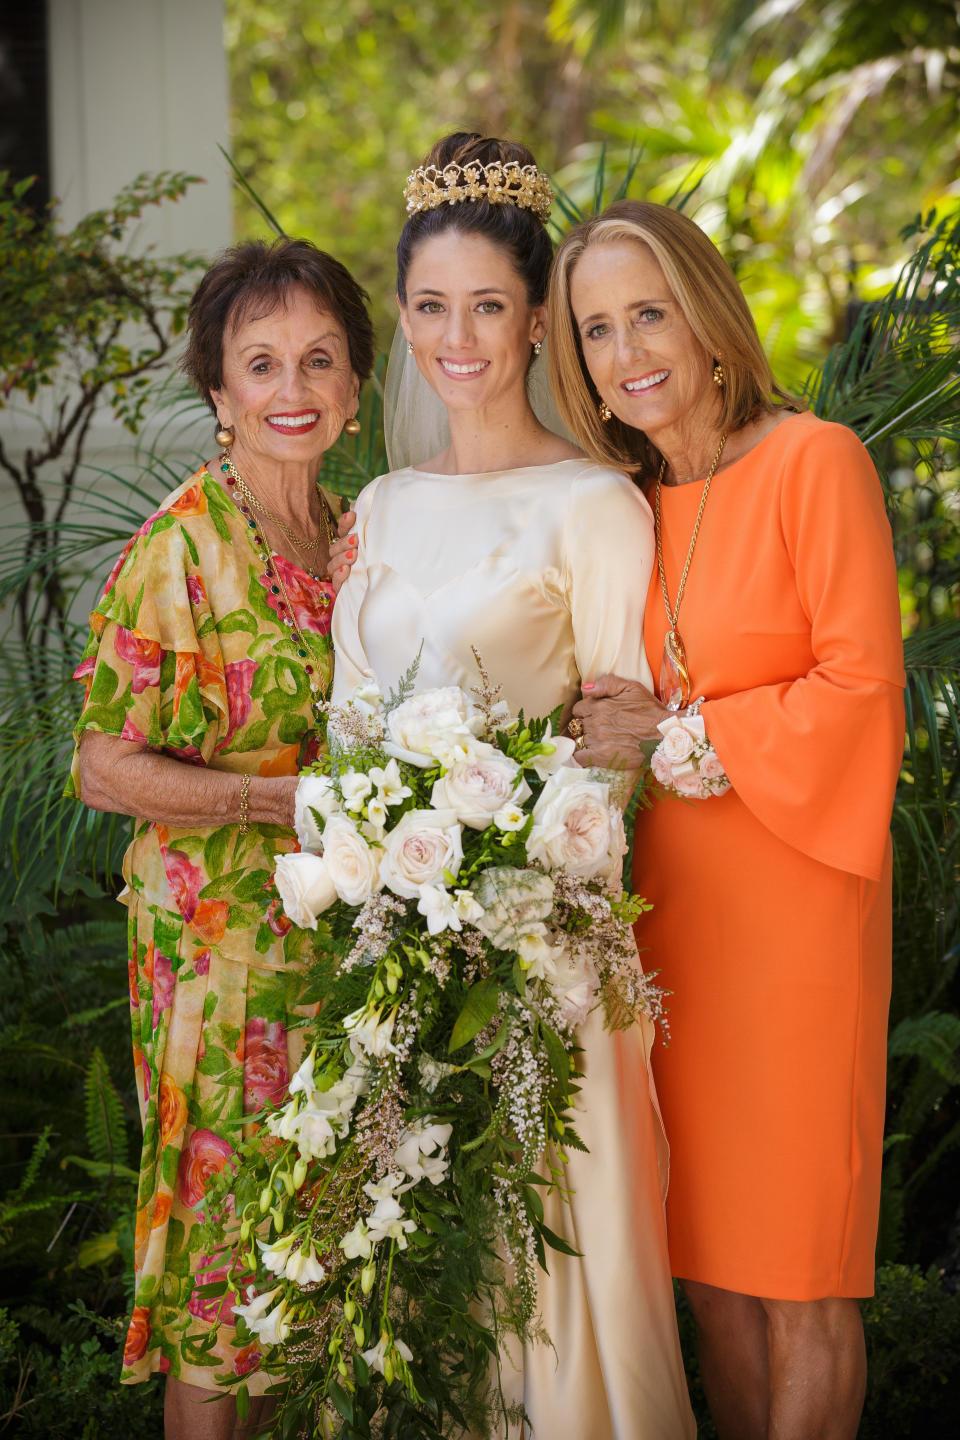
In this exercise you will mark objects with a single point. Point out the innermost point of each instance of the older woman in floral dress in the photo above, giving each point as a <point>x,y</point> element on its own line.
<point>209,651</point>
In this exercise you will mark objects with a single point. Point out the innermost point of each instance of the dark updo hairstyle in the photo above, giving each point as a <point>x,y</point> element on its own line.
<point>520,232</point>
<point>258,276</point>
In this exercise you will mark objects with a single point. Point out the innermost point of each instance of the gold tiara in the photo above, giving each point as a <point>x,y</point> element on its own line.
<point>507,183</point>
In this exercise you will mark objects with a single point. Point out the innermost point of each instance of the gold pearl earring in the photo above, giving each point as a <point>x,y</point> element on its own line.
<point>604,411</point>
<point>719,379</point>
<point>537,346</point>
<point>224,437</point>
<point>352,426</point>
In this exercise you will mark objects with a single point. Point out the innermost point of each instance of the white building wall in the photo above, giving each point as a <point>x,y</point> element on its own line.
<point>135,85</point>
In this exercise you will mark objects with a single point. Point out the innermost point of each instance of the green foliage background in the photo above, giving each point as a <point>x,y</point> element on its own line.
<point>807,139</point>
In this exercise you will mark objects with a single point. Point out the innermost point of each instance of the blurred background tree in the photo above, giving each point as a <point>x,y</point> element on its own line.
<point>814,133</point>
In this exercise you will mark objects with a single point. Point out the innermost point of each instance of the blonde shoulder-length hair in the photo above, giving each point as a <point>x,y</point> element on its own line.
<point>707,292</point>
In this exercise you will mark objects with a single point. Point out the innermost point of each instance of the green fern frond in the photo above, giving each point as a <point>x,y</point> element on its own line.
<point>105,1122</point>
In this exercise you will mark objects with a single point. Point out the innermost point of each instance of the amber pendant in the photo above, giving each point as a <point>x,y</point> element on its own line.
<point>674,675</point>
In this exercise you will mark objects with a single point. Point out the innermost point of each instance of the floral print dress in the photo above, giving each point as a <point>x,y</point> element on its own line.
<point>190,653</point>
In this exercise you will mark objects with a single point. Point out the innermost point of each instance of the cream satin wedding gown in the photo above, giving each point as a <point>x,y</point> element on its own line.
<point>545,570</point>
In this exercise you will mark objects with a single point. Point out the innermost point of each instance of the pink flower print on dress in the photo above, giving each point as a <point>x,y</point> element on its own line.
<point>204,1156</point>
<point>247,1359</point>
<point>215,1307</point>
<point>164,983</point>
<point>276,919</point>
<point>145,657</point>
<point>84,673</point>
<point>196,591</point>
<point>312,600</point>
<point>239,676</point>
<point>183,878</point>
<point>266,1074</point>
<point>131,731</point>
<point>201,962</point>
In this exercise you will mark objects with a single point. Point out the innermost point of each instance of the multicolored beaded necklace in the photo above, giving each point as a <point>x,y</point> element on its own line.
<point>274,579</point>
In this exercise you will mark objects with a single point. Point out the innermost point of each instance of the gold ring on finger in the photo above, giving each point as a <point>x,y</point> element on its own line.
<point>575,729</point>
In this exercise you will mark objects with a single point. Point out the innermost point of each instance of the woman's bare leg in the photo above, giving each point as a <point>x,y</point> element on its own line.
<point>732,1348</point>
<point>780,1369</point>
<point>818,1368</point>
<point>191,1413</point>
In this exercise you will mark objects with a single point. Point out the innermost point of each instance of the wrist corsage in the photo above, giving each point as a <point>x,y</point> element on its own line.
<point>685,761</point>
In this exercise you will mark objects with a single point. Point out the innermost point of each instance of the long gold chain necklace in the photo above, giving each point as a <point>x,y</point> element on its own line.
<point>674,670</point>
<point>273,575</point>
<point>307,548</point>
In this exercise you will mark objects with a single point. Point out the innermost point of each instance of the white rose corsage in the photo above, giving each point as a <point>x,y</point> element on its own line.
<point>685,761</point>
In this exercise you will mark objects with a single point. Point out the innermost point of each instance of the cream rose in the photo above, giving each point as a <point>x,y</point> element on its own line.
<point>305,887</point>
<point>575,827</point>
<point>476,789</point>
<point>314,793</point>
<point>419,849</point>
<point>440,724</point>
<point>352,864</point>
<point>711,767</point>
<point>661,767</point>
<point>680,737</point>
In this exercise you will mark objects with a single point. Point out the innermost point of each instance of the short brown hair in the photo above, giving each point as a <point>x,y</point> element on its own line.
<point>261,274</point>
<point>707,292</point>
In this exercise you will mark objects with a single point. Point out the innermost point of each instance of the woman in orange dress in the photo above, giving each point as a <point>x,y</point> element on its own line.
<point>769,863</point>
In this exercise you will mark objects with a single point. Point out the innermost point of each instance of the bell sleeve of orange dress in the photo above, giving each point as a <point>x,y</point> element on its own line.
<point>816,758</point>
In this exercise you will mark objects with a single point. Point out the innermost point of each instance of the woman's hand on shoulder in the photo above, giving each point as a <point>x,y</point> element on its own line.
<point>619,719</point>
<point>343,551</point>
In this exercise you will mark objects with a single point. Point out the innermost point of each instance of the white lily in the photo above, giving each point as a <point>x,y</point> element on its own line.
<point>559,750</point>
<point>369,1033</point>
<point>377,1355</point>
<point>388,1221</point>
<point>389,783</point>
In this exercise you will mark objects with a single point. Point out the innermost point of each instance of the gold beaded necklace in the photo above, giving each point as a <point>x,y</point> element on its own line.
<point>674,670</point>
<point>305,547</point>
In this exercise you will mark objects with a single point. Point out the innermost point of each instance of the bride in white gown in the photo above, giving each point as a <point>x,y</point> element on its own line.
<point>510,541</point>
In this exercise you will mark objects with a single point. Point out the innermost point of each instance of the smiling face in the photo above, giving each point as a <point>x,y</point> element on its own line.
<point>288,385</point>
<point>643,357</point>
<point>469,320</point>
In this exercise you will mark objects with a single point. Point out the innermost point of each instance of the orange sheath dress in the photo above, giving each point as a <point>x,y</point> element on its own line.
<point>772,903</point>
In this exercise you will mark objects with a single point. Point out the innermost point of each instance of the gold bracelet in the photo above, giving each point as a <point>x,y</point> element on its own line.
<point>244,805</point>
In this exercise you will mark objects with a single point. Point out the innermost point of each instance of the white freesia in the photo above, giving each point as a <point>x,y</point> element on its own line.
<point>510,817</point>
<point>444,911</point>
<point>303,1081</point>
<point>305,886</point>
<point>388,1221</point>
<point>376,1356</point>
<point>420,1153</point>
<point>419,849</point>
<point>560,750</point>
<point>369,1034</point>
<point>271,1327</point>
<point>355,787</point>
<point>475,789</point>
<point>353,866</point>
<point>314,793</point>
<point>576,828</point>
<point>391,1184</point>
<point>256,1309</point>
<point>356,1244</point>
<point>303,1267</point>
<point>377,816</point>
<point>389,783</point>
<point>440,724</point>
<point>537,955</point>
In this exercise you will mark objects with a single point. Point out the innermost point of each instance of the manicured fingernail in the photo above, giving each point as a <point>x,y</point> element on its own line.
<point>587,685</point>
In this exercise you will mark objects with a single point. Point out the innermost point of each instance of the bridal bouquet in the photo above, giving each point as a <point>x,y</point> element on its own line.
<point>463,880</point>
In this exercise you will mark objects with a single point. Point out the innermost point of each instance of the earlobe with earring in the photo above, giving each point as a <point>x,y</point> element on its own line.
<point>352,426</point>
<point>604,411</point>
<point>537,346</point>
<point>719,379</point>
<point>224,437</point>
<point>409,347</point>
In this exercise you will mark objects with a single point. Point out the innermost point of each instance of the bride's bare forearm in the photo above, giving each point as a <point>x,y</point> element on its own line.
<point>119,776</point>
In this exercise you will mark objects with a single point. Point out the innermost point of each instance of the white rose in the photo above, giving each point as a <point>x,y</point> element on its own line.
<point>419,849</point>
<point>314,792</point>
<point>478,788</point>
<point>575,827</point>
<point>574,985</point>
<point>559,747</point>
<point>352,864</point>
<point>680,737</point>
<point>306,887</point>
<point>687,782</point>
<point>711,766</point>
<point>367,698</point>
<point>435,725</point>
<point>661,767</point>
